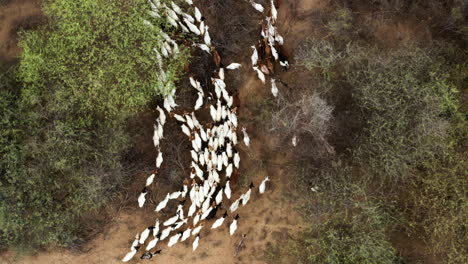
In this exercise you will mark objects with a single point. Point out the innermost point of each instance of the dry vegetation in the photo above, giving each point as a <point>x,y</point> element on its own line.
<point>306,116</point>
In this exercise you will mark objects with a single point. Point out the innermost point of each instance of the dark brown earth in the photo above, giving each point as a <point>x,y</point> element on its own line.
<point>16,15</point>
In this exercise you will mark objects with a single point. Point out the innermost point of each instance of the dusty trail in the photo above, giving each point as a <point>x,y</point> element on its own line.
<point>265,219</point>
<point>13,14</point>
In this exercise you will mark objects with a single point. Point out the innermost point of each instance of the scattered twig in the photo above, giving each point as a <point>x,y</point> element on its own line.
<point>240,246</point>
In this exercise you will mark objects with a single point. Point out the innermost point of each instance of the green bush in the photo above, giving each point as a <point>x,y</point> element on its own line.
<point>406,98</point>
<point>94,56</point>
<point>407,101</point>
<point>321,55</point>
<point>436,202</point>
<point>341,24</point>
<point>346,238</point>
<point>64,134</point>
<point>347,226</point>
<point>414,134</point>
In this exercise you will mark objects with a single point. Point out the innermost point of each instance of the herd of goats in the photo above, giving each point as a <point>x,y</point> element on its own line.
<point>214,154</point>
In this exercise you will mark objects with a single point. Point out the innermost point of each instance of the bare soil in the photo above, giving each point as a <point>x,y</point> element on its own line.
<point>14,16</point>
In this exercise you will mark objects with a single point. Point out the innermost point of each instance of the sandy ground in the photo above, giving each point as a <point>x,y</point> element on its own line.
<point>11,13</point>
<point>264,219</point>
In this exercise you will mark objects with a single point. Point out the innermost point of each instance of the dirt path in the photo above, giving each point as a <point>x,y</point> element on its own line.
<point>265,219</point>
<point>14,14</point>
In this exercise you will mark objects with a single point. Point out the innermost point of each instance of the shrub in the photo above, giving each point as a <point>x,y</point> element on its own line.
<point>341,24</point>
<point>405,96</point>
<point>103,62</point>
<point>346,238</point>
<point>408,101</point>
<point>352,227</point>
<point>440,207</point>
<point>414,134</point>
<point>82,76</point>
<point>437,199</point>
<point>319,54</point>
<point>308,115</point>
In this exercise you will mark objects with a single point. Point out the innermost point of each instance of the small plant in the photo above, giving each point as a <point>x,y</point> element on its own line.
<point>319,55</point>
<point>342,22</point>
<point>407,99</point>
<point>346,238</point>
<point>438,204</point>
